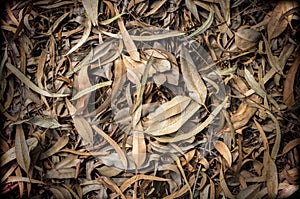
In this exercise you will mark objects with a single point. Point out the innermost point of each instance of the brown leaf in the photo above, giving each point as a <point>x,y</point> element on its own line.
<point>192,78</point>
<point>91,8</point>
<point>168,109</point>
<point>173,122</point>
<point>193,8</point>
<point>271,176</point>
<point>197,129</point>
<point>224,151</point>
<point>277,25</point>
<point>11,153</point>
<point>128,42</point>
<point>224,186</point>
<point>138,146</point>
<point>86,33</point>
<point>289,146</point>
<point>288,86</point>
<point>246,38</point>
<point>22,151</point>
<point>84,129</point>
<point>60,192</point>
<point>61,142</point>
<point>113,144</point>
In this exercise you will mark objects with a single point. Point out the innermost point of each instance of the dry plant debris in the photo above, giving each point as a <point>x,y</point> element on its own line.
<point>149,99</point>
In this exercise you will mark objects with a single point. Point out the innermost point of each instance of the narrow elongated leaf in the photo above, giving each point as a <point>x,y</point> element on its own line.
<point>84,129</point>
<point>205,25</point>
<point>31,85</point>
<point>86,33</point>
<point>22,151</point>
<point>192,78</point>
<point>273,60</point>
<point>135,178</point>
<point>60,192</point>
<point>168,109</point>
<point>176,159</point>
<point>108,21</point>
<point>222,148</point>
<point>61,173</point>
<point>289,146</point>
<point>256,87</point>
<point>155,7</point>
<point>140,88</point>
<point>172,124</point>
<point>11,153</point>
<point>81,64</point>
<point>91,8</point>
<point>272,176</point>
<point>154,37</point>
<point>197,129</point>
<point>193,8</point>
<point>50,123</point>
<point>61,142</point>
<point>224,186</point>
<point>91,89</point>
<point>276,145</point>
<point>138,145</point>
<point>113,144</point>
<point>277,25</point>
<point>129,44</point>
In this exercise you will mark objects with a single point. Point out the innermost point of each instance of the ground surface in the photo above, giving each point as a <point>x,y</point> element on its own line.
<point>149,99</point>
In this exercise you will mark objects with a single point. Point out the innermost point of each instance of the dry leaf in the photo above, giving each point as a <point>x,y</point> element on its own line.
<point>193,8</point>
<point>224,151</point>
<point>31,85</point>
<point>289,146</point>
<point>91,8</point>
<point>271,176</point>
<point>21,149</point>
<point>11,153</point>
<point>172,122</point>
<point>138,146</point>
<point>192,78</point>
<point>276,24</point>
<point>246,38</point>
<point>197,129</point>
<point>61,142</point>
<point>49,123</point>
<point>288,86</point>
<point>114,145</point>
<point>84,129</point>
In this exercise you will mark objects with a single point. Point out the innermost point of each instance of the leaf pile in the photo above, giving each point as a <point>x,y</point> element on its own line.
<point>149,99</point>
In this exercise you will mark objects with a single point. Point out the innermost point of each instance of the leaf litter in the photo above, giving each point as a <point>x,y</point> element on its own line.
<point>91,106</point>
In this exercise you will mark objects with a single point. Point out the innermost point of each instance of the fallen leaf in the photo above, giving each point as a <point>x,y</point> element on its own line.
<point>193,8</point>
<point>139,150</point>
<point>21,149</point>
<point>195,85</point>
<point>91,8</point>
<point>222,148</point>
<point>84,129</point>
<point>86,33</point>
<point>113,144</point>
<point>91,89</point>
<point>289,146</point>
<point>49,123</point>
<point>288,86</point>
<point>197,129</point>
<point>61,142</point>
<point>246,38</point>
<point>276,26</point>
<point>31,85</point>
